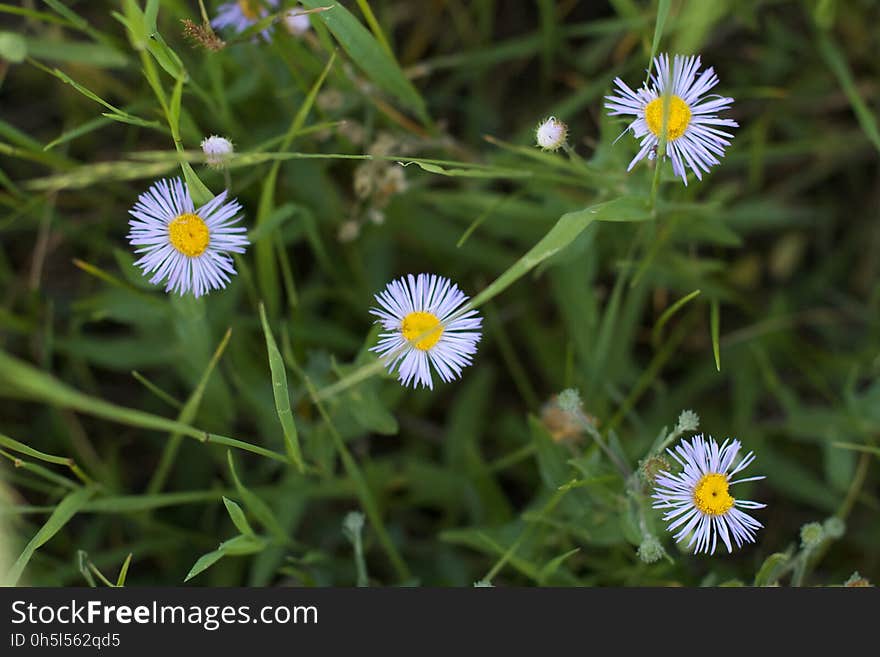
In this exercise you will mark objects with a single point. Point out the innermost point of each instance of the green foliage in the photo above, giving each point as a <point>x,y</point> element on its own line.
<point>151,439</point>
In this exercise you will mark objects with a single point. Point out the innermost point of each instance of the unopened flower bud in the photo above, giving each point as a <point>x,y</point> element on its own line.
<point>650,551</point>
<point>812,535</point>
<point>217,151</point>
<point>353,522</point>
<point>551,134</point>
<point>834,527</point>
<point>569,400</point>
<point>652,466</point>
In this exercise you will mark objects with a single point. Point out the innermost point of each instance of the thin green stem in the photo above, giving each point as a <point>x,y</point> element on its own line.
<point>100,575</point>
<point>513,458</point>
<point>800,568</point>
<point>156,390</point>
<point>39,470</point>
<point>80,474</point>
<point>240,444</point>
<point>855,486</point>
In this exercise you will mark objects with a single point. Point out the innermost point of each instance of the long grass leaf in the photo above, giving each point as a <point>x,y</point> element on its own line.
<point>282,394</point>
<point>66,509</point>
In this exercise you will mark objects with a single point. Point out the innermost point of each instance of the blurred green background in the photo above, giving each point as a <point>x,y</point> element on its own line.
<point>108,385</point>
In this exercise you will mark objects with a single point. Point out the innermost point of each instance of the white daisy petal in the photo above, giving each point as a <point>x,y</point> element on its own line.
<point>700,509</point>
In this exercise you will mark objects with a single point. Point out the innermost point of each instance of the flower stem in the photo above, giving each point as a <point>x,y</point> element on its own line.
<point>800,568</point>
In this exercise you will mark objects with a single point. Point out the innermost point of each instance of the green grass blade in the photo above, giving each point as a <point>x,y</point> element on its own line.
<point>375,28</point>
<point>78,131</point>
<point>203,563</point>
<point>239,545</point>
<point>85,91</point>
<point>186,416</point>
<point>40,471</point>
<point>662,14</point>
<point>143,502</point>
<point>867,449</point>
<point>264,250</point>
<point>282,395</point>
<point>156,390</point>
<point>238,518</point>
<point>715,321</point>
<point>11,443</point>
<point>73,52</point>
<point>255,504</point>
<point>33,384</point>
<point>563,233</point>
<point>35,15</point>
<point>669,312</point>
<point>368,55</point>
<point>66,509</point>
<point>123,572</point>
<point>101,173</point>
<point>837,63</point>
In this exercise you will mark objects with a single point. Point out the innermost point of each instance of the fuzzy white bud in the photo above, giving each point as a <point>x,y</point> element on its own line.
<point>217,150</point>
<point>551,134</point>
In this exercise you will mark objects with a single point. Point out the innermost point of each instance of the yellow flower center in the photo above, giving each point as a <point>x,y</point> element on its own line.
<point>711,496</point>
<point>189,234</point>
<point>679,117</point>
<point>248,9</point>
<point>425,328</point>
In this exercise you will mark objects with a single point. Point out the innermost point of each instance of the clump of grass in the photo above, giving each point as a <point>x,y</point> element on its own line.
<point>250,436</point>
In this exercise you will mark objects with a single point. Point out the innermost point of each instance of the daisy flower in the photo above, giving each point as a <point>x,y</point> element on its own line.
<point>188,247</point>
<point>693,137</point>
<point>425,327</point>
<point>699,498</point>
<point>241,14</point>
